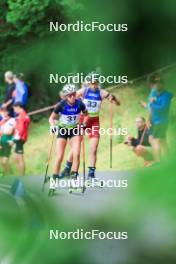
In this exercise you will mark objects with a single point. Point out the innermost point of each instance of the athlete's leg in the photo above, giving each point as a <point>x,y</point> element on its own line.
<point>94,141</point>
<point>5,164</point>
<point>19,159</point>
<point>140,151</point>
<point>68,166</point>
<point>60,150</point>
<point>70,156</point>
<point>75,143</point>
<point>156,146</point>
<point>144,152</point>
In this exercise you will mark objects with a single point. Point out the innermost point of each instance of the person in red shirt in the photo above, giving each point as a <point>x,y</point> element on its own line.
<point>20,135</point>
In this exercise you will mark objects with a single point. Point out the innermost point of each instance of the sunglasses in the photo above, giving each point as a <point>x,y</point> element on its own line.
<point>71,95</point>
<point>94,82</point>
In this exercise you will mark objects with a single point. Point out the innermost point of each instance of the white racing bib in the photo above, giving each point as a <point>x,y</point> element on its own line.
<point>69,120</point>
<point>92,106</point>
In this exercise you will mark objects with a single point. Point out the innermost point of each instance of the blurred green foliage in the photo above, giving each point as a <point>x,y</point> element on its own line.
<point>24,28</point>
<point>27,45</point>
<point>20,18</point>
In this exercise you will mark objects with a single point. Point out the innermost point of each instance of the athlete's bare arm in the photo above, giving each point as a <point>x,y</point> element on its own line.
<point>80,93</point>
<point>10,131</point>
<point>7,103</point>
<point>110,97</point>
<point>53,119</point>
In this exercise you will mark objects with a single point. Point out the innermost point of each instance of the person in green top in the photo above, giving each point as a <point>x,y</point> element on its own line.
<point>7,126</point>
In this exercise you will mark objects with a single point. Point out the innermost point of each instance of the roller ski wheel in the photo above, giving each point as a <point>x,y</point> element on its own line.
<point>51,192</point>
<point>83,189</point>
<point>94,182</point>
<point>73,187</point>
<point>71,190</point>
<point>75,190</point>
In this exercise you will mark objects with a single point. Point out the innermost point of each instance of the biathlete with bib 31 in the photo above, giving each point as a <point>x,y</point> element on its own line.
<point>68,110</point>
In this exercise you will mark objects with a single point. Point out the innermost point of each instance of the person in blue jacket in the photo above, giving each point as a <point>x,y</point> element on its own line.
<point>21,90</point>
<point>8,100</point>
<point>159,105</point>
<point>153,91</point>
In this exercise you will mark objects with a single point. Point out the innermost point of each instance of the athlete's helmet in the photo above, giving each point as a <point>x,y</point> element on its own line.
<point>92,77</point>
<point>68,89</point>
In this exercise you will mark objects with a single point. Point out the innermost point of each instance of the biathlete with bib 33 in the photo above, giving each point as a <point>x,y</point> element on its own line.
<point>92,96</point>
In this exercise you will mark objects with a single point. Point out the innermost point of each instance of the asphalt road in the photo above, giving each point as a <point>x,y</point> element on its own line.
<point>94,200</point>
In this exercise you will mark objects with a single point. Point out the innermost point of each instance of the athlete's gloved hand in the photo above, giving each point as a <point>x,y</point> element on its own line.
<point>54,129</point>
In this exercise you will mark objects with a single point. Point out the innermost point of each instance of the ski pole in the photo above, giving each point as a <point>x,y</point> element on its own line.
<point>48,162</point>
<point>111,125</point>
<point>145,129</point>
<point>84,163</point>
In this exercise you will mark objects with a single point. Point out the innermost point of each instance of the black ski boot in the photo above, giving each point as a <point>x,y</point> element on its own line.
<point>67,170</point>
<point>91,180</point>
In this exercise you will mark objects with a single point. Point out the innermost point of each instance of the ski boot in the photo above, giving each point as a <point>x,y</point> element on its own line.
<point>91,180</point>
<point>66,171</point>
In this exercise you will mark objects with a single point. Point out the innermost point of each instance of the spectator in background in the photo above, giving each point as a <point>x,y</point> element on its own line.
<point>160,106</point>
<point>21,91</point>
<point>8,101</point>
<point>7,126</point>
<point>153,92</point>
<point>20,135</point>
<point>141,145</point>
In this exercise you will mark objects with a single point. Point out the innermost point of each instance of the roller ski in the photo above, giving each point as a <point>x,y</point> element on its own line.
<point>51,192</point>
<point>78,189</point>
<point>94,182</point>
<point>52,189</point>
<point>74,186</point>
